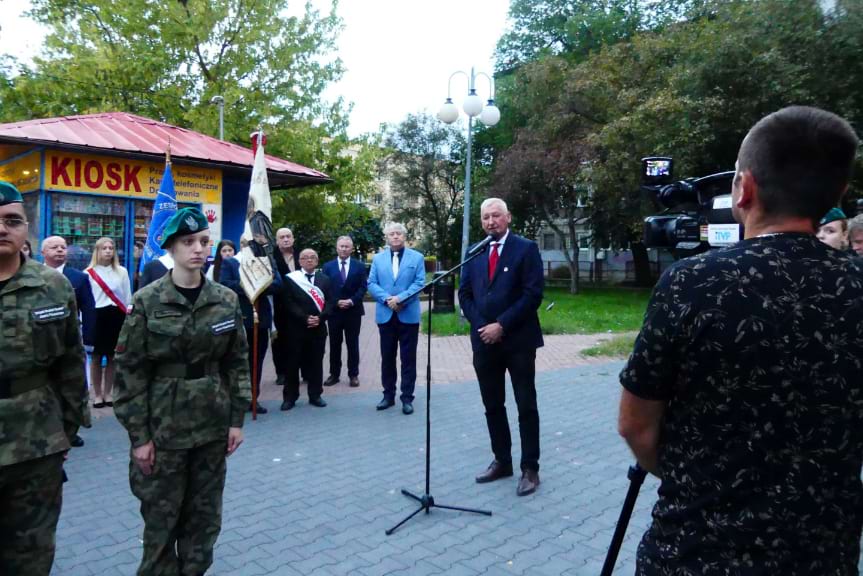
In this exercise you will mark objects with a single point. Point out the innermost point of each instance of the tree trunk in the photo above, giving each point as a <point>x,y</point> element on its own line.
<point>643,276</point>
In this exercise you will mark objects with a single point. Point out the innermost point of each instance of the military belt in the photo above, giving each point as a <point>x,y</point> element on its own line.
<point>187,371</point>
<point>10,387</point>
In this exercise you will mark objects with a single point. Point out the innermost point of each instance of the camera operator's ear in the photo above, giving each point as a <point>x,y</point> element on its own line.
<point>747,189</point>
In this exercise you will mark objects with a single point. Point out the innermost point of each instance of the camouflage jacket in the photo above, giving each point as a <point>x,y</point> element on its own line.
<point>43,391</point>
<point>182,369</point>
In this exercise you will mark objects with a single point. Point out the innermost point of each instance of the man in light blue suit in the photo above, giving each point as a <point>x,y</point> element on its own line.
<point>397,273</point>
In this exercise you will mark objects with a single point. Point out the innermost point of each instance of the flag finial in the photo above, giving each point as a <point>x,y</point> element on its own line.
<point>168,152</point>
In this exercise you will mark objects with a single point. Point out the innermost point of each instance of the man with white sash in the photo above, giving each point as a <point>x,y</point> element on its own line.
<point>308,300</point>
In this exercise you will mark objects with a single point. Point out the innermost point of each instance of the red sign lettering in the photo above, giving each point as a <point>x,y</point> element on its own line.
<point>58,170</point>
<point>77,173</point>
<point>113,181</point>
<point>88,172</point>
<point>130,177</point>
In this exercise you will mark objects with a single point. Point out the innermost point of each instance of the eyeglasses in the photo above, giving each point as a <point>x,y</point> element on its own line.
<point>308,257</point>
<point>13,223</point>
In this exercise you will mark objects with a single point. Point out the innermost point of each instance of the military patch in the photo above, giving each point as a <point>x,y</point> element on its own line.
<point>167,313</point>
<point>49,313</point>
<point>223,326</point>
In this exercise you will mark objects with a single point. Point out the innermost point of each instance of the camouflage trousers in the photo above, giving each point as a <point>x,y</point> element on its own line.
<point>181,502</point>
<point>31,494</point>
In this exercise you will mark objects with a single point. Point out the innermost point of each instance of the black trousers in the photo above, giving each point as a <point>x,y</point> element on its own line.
<point>263,341</point>
<point>349,327</point>
<point>281,350</point>
<point>491,365</point>
<point>397,337</point>
<point>306,353</point>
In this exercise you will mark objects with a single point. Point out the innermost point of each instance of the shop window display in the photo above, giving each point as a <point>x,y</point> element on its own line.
<point>82,220</point>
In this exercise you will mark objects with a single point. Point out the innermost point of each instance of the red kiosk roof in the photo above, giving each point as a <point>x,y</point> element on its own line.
<point>123,132</point>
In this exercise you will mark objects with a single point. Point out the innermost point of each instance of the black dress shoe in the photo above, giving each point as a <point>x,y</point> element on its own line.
<point>77,441</point>
<point>319,402</point>
<point>331,381</point>
<point>495,471</point>
<point>407,408</point>
<point>528,483</point>
<point>354,381</point>
<point>287,405</point>
<point>385,403</point>
<point>261,409</point>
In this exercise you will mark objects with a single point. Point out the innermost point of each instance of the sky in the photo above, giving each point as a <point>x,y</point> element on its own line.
<point>399,54</point>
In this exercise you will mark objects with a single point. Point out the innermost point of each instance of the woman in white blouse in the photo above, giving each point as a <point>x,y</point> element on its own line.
<point>112,292</point>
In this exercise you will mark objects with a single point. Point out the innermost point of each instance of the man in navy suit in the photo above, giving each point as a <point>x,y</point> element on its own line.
<point>348,277</point>
<point>397,274</point>
<point>499,294</point>
<point>54,255</point>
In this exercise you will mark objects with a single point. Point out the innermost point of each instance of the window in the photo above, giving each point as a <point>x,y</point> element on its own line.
<point>549,241</point>
<point>584,240</point>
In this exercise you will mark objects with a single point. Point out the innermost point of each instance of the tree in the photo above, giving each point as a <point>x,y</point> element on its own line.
<point>426,163</point>
<point>166,59</point>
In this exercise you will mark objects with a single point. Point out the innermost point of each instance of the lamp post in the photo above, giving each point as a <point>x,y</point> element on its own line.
<point>489,114</point>
<point>220,102</point>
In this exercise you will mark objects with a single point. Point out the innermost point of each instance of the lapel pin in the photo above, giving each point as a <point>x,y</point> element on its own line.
<point>505,269</point>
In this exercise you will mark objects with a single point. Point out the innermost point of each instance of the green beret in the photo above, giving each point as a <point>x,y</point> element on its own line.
<point>9,194</point>
<point>833,215</point>
<point>184,222</point>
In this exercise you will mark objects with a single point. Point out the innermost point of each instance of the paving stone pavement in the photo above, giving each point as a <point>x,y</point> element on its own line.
<point>312,491</point>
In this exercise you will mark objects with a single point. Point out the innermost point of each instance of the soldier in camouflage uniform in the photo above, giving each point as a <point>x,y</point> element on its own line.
<point>43,395</point>
<point>182,390</point>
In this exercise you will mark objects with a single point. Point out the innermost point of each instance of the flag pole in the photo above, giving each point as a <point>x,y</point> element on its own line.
<point>255,362</point>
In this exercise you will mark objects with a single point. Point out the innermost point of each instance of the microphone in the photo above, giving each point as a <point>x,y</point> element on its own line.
<point>480,247</point>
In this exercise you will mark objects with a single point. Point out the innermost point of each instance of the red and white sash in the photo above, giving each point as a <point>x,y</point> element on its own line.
<point>312,291</point>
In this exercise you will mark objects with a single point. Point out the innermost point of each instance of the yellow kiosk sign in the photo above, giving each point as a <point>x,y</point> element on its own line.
<point>70,172</point>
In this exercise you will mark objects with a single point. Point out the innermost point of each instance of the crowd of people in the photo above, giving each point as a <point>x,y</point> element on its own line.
<point>742,394</point>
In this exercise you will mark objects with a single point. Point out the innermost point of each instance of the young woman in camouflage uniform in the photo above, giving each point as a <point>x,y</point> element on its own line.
<point>182,390</point>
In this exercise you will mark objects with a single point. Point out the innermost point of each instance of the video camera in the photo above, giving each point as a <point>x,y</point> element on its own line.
<point>696,213</point>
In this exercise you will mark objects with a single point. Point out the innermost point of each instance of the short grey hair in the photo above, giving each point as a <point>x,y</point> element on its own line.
<point>490,201</point>
<point>395,226</point>
<point>855,225</point>
<point>286,229</point>
<point>340,238</point>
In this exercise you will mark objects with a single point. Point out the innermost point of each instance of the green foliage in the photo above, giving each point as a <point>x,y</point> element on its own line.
<point>685,79</point>
<point>166,59</point>
<point>591,311</point>
<point>618,346</point>
<point>321,227</point>
<point>426,168</point>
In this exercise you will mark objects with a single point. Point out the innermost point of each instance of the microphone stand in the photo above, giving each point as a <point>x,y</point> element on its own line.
<point>427,501</point>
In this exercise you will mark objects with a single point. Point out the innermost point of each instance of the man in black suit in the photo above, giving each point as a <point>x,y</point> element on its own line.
<point>287,260</point>
<point>348,276</point>
<point>308,299</point>
<point>155,269</point>
<point>499,294</point>
<point>54,255</point>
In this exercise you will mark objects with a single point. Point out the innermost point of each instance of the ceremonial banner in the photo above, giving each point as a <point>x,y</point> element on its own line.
<point>164,207</point>
<point>257,241</point>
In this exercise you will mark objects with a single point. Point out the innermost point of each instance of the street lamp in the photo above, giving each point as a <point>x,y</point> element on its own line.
<point>220,102</point>
<point>473,107</point>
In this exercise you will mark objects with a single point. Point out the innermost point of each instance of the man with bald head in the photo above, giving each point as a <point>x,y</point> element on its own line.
<point>54,256</point>
<point>308,302</point>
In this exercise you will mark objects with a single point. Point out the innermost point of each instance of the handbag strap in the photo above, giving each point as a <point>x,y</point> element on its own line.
<point>108,292</point>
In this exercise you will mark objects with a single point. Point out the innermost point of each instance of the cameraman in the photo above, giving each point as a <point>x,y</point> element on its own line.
<point>744,392</point>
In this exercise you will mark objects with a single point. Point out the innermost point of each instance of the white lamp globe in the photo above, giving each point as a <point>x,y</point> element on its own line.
<point>490,114</point>
<point>448,112</point>
<point>472,104</point>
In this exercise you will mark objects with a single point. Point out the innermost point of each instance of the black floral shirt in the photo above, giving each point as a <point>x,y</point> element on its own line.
<point>758,351</point>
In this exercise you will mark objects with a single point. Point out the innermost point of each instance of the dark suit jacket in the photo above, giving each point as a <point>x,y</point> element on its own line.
<point>151,272</point>
<point>84,300</point>
<point>279,312</point>
<point>512,297</point>
<point>354,287</point>
<point>230,277</point>
<point>299,306</point>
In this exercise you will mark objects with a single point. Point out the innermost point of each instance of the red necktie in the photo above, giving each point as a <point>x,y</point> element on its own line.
<point>492,260</point>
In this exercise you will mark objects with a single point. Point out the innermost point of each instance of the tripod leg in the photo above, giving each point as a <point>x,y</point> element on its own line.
<point>458,508</point>
<point>636,477</point>
<point>412,495</point>
<point>414,513</point>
